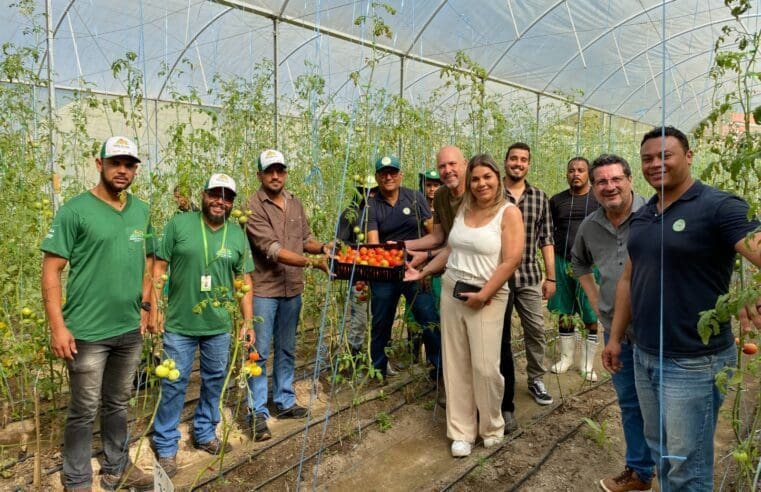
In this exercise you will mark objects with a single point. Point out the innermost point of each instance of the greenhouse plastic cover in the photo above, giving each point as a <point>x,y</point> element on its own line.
<point>609,55</point>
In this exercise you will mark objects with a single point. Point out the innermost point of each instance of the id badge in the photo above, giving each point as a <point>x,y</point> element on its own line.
<point>205,283</point>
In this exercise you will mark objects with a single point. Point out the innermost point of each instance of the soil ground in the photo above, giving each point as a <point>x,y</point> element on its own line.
<point>394,438</point>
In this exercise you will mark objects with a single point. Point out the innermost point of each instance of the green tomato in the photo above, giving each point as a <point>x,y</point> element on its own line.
<point>242,219</point>
<point>357,230</point>
<point>161,371</point>
<point>169,364</point>
<point>245,288</point>
<point>215,304</point>
<point>26,312</point>
<point>740,456</point>
<point>236,213</point>
<point>173,375</point>
<point>165,277</point>
<point>38,205</point>
<point>360,237</point>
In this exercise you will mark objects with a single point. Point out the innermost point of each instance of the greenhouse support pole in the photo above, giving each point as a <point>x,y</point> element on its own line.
<point>276,73</point>
<point>401,96</point>
<point>536,126</point>
<point>51,104</point>
<point>578,129</point>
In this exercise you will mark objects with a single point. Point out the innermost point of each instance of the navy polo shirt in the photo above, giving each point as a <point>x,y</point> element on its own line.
<point>698,233</point>
<point>403,220</point>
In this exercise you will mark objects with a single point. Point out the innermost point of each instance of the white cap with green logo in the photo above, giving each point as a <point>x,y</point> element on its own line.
<point>119,147</point>
<point>220,180</point>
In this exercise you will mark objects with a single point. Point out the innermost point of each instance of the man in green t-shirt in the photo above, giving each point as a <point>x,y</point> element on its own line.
<point>104,236</point>
<point>205,253</point>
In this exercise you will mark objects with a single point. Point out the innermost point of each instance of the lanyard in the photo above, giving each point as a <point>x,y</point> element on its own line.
<point>206,245</point>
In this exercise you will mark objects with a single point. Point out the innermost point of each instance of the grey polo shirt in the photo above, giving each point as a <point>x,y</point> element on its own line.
<point>599,243</point>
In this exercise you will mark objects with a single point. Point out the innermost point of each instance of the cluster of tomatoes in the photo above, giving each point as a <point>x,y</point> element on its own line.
<point>372,256</point>
<point>363,290</point>
<point>250,367</point>
<point>167,369</point>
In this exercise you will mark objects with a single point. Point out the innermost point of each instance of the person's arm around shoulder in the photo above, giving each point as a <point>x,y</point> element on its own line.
<point>622,316</point>
<point>513,241</point>
<point>62,342</point>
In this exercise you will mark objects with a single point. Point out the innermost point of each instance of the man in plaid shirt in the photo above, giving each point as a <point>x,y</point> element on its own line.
<point>526,288</point>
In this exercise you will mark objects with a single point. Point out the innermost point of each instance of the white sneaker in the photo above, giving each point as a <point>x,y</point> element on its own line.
<point>461,448</point>
<point>492,441</point>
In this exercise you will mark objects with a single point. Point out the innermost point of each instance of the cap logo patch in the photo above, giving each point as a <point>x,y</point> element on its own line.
<point>386,161</point>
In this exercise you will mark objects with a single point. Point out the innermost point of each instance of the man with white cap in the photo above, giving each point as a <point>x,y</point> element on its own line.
<point>206,253</point>
<point>279,235</point>
<point>104,236</point>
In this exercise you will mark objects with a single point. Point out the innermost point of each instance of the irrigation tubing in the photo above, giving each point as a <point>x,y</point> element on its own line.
<point>99,452</point>
<point>298,430</point>
<point>335,442</point>
<point>554,446</point>
<point>519,432</point>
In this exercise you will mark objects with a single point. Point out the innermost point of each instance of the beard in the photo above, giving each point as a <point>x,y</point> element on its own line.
<point>111,186</point>
<point>217,219</point>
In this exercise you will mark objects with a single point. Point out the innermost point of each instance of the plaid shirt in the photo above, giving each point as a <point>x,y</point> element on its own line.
<point>537,220</point>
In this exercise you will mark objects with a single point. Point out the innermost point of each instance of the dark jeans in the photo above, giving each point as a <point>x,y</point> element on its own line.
<point>506,365</point>
<point>385,298</point>
<point>101,373</point>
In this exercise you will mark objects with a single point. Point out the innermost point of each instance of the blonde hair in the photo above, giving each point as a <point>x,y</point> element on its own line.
<point>483,160</point>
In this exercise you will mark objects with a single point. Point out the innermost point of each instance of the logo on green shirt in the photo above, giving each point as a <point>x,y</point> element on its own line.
<point>137,236</point>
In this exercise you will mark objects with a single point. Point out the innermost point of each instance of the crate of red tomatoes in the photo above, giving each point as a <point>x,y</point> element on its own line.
<point>377,262</point>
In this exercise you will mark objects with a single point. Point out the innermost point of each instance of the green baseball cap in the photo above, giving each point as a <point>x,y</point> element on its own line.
<point>387,161</point>
<point>431,174</point>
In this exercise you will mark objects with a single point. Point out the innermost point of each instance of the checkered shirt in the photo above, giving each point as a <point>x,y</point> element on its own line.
<point>537,220</point>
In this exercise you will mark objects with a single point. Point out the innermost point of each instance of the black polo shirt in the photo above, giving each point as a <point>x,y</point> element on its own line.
<point>402,221</point>
<point>697,235</point>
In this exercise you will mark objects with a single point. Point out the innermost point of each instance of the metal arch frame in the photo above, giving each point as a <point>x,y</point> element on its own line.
<point>294,21</point>
<point>671,91</point>
<point>187,46</point>
<point>660,42</point>
<point>696,55</point>
<point>55,31</point>
<point>595,40</point>
<point>425,26</point>
<point>757,84</point>
<point>520,36</point>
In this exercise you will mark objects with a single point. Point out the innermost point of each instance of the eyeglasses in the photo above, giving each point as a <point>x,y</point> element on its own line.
<point>615,181</point>
<point>219,194</point>
<point>389,171</point>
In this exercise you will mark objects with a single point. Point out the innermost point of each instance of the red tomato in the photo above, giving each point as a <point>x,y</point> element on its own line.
<point>750,348</point>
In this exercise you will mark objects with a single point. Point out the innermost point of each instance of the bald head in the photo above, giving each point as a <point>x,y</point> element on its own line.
<point>451,164</point>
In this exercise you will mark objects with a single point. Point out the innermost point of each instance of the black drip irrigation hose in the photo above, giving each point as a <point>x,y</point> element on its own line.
<point>335,442</point>
<point>557,443</point>
<point>132,440</point>
<point>519,432</point>
<point>245,459</point>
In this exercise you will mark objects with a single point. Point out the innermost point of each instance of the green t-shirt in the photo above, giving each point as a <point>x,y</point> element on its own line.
<point>106,250</point>
<point>183,248</point>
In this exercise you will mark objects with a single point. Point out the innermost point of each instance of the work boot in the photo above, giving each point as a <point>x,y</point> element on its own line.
<point>259,429</point>
<point>567,344</point>
<point>131,478</point>
<point>587,362</point>
<point>169,465</point>
<point>626,481</point>
<point>213,447</point>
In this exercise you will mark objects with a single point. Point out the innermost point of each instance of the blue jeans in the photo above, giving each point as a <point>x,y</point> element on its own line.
<point>690,407</point>
<point>215,351</point>
<point>385,298</point>
<point>101,374</point>
<point>280,317</point>
<point>638,456</point>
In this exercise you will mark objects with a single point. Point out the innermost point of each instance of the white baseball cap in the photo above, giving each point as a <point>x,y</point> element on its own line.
<point>220,180</point>
<point>119,147</point>
<point>270,157</point>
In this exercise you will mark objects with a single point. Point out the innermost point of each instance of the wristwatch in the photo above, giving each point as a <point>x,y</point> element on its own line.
<point>145,306</point>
